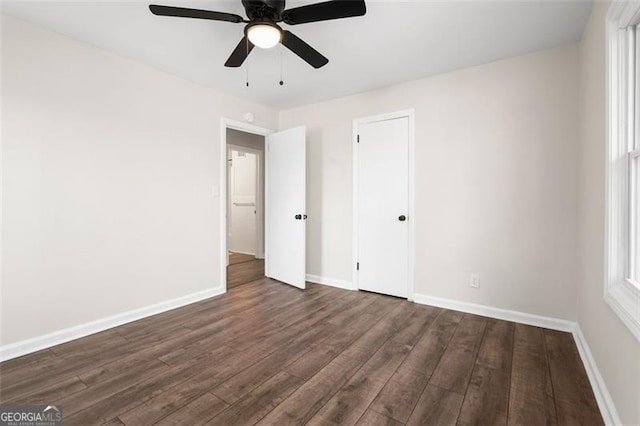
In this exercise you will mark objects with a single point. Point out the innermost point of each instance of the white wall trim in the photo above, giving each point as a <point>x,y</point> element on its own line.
<point>243,252</point>
<point>333,282</point>
<point>605,402</point>
<point>34,344</point>
<point>498,313</point>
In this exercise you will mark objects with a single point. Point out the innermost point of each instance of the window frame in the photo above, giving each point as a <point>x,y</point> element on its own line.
<point>621,292</point>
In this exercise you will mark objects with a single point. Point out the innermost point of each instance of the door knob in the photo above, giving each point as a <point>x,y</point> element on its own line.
<point>298,216</point>
<point>402,218</point>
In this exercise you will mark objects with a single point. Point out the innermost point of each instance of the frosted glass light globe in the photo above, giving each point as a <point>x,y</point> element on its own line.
<point>264,35</point>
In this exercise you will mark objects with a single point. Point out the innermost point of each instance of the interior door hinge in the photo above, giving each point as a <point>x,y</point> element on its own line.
<point>357,266</point>
<point>358,138</point>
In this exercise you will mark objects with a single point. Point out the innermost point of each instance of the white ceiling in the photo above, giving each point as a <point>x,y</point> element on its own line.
<point>395,41</point>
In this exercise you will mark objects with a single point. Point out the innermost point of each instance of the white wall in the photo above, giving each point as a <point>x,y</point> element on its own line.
<point>108,168</point>
<point>496,181</point>
<point>614,348</point>
<point>243,188</point>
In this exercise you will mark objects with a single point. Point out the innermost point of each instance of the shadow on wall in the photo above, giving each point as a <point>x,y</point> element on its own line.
<point>314,197</point>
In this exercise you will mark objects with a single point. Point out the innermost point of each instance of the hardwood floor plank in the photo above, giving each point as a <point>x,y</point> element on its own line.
<point>90,345</point>
<point>110,371</point>
<point>413,328</point>
<point>25,361</point>
<point>244,272</point>
<point>50,374</point>
<point>455,366</point>
<point>487,397</point>
<point>51,395</point>
<point>235,258</point>
<point>370,418</point>
<point>352,400</point>
<point>103,401</point>
<point>311,396</point>
<point>573,394</point>
<point>373,339</point>
<point>573,414</point>
<point>436,406</point>
<point>401,393</point>
<point>163,404</point>
<point>259,402</point>
<point>114,422</point>
<point>531,395</point>
<point>306,367</point>
<point>197,412</point>
<point>242,383</point>
<point>359,309</point>
<point>299,317</point>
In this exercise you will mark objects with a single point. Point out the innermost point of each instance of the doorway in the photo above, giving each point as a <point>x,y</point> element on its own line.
<point>245,207</point>
<point>383,204</point>
<point>240,268</point>
<point>279,198</point>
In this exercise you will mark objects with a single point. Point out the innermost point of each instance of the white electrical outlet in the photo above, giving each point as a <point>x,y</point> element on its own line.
<point>474,280</point>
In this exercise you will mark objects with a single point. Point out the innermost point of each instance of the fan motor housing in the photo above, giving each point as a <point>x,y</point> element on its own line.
<point>264,10</point>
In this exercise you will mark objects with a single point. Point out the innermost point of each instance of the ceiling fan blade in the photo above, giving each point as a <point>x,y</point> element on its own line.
<point>182,12</point>
<point>240,53</point>
<point>302,49</point>
<point>334,9</point>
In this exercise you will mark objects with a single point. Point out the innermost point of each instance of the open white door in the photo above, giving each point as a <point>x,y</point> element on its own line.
<point>285,206</point>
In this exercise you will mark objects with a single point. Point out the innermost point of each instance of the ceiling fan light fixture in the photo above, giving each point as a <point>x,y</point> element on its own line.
<point>264,35</point>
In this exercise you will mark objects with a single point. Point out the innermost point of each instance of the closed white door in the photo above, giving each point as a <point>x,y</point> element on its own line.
<point>285,206</point>
<point>382,197</point>
<point>243,194</point>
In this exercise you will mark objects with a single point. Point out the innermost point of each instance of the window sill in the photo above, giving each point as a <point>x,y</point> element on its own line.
<point>624,300</point>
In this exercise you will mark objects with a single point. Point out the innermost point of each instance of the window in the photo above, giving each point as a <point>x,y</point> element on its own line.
<point>633,155</point>
<point>622,289</point>
<point>634,162</point>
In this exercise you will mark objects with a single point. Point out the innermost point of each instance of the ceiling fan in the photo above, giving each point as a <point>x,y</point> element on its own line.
<point>262,28</point>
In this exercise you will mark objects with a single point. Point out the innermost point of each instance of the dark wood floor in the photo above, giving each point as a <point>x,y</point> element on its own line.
<point>243,268</point>
<point>270,354</point>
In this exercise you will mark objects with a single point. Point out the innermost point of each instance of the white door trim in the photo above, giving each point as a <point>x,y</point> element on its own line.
<point>226,123</point>
<point>259,251</point>
<point>409,114</point>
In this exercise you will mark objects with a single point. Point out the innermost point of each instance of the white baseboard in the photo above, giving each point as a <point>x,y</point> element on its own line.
<point>243,252</point>
<point>603,397</point>
<point>503,314</point>
<point>333,282</point>
<point>24,347</point>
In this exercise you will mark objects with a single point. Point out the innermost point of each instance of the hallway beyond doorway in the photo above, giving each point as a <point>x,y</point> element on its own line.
<point>243,269</point>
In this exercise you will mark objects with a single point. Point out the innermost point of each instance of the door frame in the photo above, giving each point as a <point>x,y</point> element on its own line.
<point>410,115</point>
<point>259,202</point>
<point>226,123</point>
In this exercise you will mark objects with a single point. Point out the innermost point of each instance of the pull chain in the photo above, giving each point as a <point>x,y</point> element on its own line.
<point>281,66</point>
<point>247,59</point>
